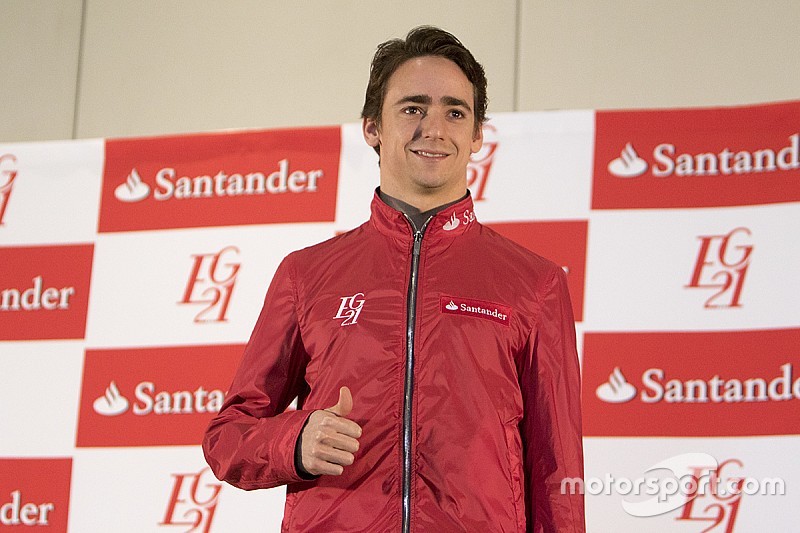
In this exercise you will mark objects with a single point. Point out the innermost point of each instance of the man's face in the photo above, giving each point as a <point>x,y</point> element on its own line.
<point>427,131</point>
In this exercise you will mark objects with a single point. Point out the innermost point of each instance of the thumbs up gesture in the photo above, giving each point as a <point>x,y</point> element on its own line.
<point>330,439</point>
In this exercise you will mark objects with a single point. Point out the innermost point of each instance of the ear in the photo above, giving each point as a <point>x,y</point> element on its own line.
<point>371,132</point>
<point>477,140</point>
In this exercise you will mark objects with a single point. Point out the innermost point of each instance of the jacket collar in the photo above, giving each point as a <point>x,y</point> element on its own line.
<point>448,223</point>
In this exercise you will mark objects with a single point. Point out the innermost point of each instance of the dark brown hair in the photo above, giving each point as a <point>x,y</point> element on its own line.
<point>422,41</point>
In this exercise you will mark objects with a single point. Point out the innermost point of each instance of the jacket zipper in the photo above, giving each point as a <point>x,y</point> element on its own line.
<point>408,389</point>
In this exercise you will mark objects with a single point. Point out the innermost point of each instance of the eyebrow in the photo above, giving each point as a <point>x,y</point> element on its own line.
<point>427,100</point>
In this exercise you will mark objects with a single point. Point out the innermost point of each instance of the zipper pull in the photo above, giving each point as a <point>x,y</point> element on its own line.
<point>417,242</point>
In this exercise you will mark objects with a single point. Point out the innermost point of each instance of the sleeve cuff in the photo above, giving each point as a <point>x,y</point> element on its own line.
<point>298,457</point>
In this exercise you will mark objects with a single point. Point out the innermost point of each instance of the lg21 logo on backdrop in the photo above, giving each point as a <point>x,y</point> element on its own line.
<point>211,283</point>
<point>722,264</point>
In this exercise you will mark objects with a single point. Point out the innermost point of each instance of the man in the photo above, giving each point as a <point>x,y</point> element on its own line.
<point>446,352</point>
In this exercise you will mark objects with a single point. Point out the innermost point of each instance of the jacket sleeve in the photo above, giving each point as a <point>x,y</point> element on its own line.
<point>551,424</point>
<point>251,442</point>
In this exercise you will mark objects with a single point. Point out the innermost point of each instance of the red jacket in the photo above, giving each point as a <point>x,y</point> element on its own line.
<point>459,348</point>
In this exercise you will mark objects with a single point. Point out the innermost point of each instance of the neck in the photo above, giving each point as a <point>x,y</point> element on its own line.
<point>423,202</point>
<point>417,216</point>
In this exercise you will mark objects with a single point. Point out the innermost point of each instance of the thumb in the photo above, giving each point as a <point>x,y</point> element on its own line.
<point>345,403</point>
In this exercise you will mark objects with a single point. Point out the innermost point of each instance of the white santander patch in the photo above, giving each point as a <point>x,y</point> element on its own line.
<point>496,312</point>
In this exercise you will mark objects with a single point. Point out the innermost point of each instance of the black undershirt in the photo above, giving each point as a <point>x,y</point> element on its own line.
<point>417,217</point>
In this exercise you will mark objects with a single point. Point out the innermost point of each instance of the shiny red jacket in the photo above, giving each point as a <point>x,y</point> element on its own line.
<point>459,348</point>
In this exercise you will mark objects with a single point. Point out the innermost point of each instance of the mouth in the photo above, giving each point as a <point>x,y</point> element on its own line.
<point>429,155</point>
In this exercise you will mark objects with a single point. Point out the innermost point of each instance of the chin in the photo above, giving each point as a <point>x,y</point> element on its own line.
<point>431,185</point>
<point>432,181</point>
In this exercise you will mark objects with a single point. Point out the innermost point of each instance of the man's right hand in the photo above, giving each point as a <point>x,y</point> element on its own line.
<point>329,438</point>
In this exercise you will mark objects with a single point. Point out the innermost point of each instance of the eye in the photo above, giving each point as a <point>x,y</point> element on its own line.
<point>413,110</point>
<point>456,113</point>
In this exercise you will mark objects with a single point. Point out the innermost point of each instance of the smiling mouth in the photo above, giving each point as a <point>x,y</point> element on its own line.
<point>430,155</point>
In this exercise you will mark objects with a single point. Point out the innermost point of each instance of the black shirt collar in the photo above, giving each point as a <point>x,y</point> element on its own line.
<point>417,217</point>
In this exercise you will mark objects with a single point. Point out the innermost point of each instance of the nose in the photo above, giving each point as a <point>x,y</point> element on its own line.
<point>432,125</point>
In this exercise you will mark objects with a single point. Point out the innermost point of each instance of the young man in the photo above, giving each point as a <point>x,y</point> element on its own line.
<point>446,352</point>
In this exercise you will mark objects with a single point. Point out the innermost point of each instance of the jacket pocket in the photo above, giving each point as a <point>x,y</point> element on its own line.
<point>515,466</point>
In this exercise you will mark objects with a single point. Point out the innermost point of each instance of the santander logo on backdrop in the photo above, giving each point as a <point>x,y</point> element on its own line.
<point>616,389</point>
<point>148,396</point>
<point>628,164</point>
<point>697,157</point>
<point>667,163</point>
<point>223,179</point>
<point>149,400</point>
<point>45,284</point>
<point>656,386</point>
<point>728,383</point>
<point>111,403</point>
<point>34,494</point>
<point>133,189</point>
<point>170,186</point>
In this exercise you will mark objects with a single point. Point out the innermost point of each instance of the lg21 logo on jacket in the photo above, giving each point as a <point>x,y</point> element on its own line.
<point>350,309</point>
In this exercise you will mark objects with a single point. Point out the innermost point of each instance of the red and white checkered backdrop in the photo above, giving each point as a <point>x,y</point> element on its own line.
<point>132,272</point>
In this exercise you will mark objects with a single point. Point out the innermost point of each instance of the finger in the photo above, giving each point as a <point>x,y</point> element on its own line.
<point>324,468</point>
<point>345,426</point>
<point>345,403</point>
<point>340,442</point>
<point>334,456</point>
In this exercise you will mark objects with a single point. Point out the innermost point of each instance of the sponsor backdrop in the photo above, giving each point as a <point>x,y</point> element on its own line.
<point>132,272</point>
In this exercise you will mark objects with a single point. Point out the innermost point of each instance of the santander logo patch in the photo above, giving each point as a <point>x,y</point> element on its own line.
<point>455,220</point>
<point>452,223</point>
<point>453,305</point>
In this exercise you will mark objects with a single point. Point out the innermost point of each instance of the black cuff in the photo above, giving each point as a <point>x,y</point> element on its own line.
<point>298,458</point>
